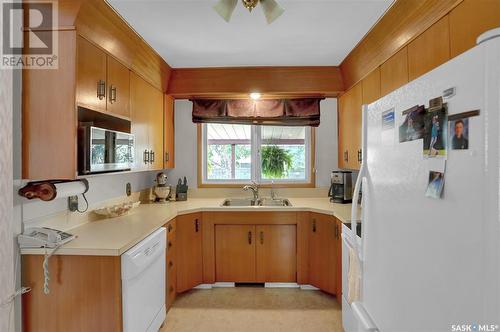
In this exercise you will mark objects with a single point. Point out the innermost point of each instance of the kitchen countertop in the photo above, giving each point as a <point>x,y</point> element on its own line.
<point>114,236</point>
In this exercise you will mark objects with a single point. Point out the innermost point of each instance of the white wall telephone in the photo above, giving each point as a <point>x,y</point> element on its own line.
<point>43,237</point>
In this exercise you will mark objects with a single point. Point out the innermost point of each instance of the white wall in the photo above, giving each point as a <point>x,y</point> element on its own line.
<point>186,144</point>
<point>7,280</point>
<point>101,188</point>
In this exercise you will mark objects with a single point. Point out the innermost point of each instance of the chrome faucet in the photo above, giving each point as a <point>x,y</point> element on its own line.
<point>273,192</point>
<point>254,187</point>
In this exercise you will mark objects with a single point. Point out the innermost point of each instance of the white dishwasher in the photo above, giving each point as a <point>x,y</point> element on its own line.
<point>143,284</point>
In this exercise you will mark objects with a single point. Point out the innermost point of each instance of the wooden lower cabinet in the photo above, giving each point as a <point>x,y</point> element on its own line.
<point>325,253</point>
<point>189,251</point>
<point>85,294</point>
<point>171,263</point>
<point>235,253</point>
<point>276,258</point>
<point>255,253</point>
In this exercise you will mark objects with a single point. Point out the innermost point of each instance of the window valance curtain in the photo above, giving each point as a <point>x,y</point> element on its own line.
<point>281,112</point>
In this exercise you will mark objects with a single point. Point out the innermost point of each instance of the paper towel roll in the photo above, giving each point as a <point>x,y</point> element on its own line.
<point>67,189</point>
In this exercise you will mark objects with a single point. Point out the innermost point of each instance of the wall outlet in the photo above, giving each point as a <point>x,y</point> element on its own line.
<point>128,189</point>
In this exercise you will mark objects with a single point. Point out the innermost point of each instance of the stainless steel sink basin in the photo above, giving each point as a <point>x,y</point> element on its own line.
<point>260,202</point>
<point>238,202</point>
<point>274,202</point>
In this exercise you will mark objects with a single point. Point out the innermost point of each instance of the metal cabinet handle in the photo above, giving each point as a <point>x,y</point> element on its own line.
<point>167,156</point>
<point>169,244</point>
<point>152,154</point>
<point>346,156</point>
<point>171,289</point>
<point>196,225</point>
<point>249,237</point>
<point>112,94</point>
<point>170,264</point>
<point>360,156</point>
<point>314,225</point>
<point>101,89</point>
<point>169,228</point>
<point>261,237</point>
<point>146,156</point>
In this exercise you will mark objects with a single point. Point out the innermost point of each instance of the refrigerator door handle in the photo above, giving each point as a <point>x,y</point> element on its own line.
<point>362,171</point>
<point>363,317</point>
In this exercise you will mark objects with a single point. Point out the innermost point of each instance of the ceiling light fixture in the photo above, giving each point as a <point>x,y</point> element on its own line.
<point>255,95</point>
<point>272,10</point>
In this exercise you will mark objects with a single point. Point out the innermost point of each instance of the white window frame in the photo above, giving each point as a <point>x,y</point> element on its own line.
<point>255,170</point>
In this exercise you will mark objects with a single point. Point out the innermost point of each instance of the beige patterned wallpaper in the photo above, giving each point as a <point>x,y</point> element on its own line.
<point>6,185</point>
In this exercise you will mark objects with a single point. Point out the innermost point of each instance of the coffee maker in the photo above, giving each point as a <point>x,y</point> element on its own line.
<point>341,187</point>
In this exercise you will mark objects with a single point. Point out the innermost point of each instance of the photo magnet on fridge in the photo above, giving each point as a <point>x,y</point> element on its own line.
<point>436,132</point>
<point>435,185</point>
<point>413,126</point>
<point>458,129</point>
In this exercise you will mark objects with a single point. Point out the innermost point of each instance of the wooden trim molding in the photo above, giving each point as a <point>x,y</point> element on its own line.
<point>310,184</point>
<point>238,82</point>
<point>402,23</point>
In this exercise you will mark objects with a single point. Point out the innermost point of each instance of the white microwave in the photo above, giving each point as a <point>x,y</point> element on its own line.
<point>103,150</point>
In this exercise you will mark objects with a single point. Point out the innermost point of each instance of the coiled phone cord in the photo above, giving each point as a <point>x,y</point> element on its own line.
<point>46,272</point>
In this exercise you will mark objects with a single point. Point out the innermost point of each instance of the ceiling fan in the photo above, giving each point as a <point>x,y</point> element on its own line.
<point>272,10</point>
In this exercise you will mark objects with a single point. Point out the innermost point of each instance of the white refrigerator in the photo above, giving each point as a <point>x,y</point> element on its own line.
<point>432,264</point>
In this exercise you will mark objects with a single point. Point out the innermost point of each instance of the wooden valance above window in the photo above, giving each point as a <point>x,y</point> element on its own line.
<point>277,112</point>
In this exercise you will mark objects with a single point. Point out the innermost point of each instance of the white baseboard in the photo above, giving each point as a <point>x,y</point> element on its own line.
<point>308,287</point>
<point>204,286</point>
<point>281,285</point>
<point>223,285</point>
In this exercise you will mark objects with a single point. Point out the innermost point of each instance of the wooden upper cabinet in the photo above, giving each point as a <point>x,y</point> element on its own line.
<point>349,125</point>
<point>155,129</point>
<point>49,116</point>
<point>235,253</point>
<point>371,87</point>
<point>91,76</point>
<point>139,120</point>
<point>430,49</point>
<point>276,253</point>
<point>118,88</point>
<point>469,20</point>
<point>394,72</point>
<point>146,113</point>
<point>169,132</point>
<point>189,251</point>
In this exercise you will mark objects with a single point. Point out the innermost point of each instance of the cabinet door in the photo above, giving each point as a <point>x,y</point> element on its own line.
<point>338,261</point>
<point>91,89</point>
<point>319,252</point>
<point>235,253</point>
<point>394,72</point>
<point>371,87</point>
<point>118,80</point>
<point>349,117</point>
<point>189,251</point>
<point>171,263</point>
<point>430,49</point>
<point>139,117</point>
<point>169,132</point>
<point>276,253</point>
<point>155,127</point>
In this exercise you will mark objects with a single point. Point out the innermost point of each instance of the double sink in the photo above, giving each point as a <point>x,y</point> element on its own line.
<point>259,202</point>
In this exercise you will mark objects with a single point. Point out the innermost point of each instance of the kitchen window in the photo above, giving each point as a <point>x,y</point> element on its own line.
<point>235,154</point>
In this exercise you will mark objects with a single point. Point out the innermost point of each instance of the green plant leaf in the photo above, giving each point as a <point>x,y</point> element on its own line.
<point>276,162</point>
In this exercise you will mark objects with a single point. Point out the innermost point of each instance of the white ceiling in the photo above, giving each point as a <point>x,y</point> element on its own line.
<point>189,33</point>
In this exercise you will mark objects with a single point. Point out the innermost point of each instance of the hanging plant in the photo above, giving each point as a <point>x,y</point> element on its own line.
<point>275,161</point>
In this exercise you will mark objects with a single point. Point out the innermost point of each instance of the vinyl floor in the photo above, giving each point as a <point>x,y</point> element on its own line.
<point>246,309</point>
